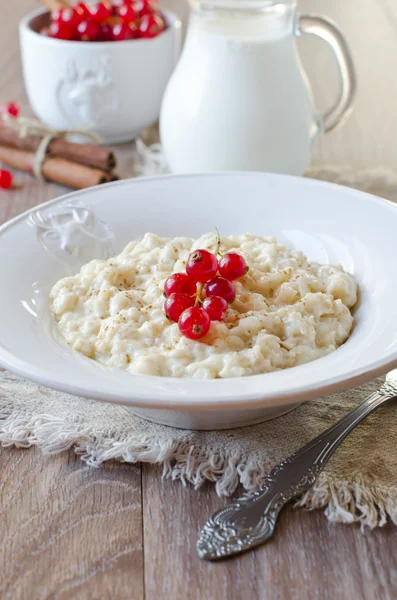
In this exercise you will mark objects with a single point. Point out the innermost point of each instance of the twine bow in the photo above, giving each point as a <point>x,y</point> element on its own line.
<point>26,127</point>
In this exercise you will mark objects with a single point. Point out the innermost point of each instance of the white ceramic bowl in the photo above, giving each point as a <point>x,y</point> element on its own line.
<point>113,88</point>
<point>327,222</point>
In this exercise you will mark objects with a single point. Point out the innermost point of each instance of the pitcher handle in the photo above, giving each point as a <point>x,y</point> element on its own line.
<point>328,31</point>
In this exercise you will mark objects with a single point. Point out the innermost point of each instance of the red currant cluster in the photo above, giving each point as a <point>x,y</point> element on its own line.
<point>204,292</point>
<point>107,21</point>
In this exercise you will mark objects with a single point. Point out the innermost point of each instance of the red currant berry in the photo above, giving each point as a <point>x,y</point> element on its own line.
<point>232,266</point>
<point>151,25</point>
<point>144,7</point>
<point>127,13</point>
<point>82,9</point>
<point>194,323</point>
<point>69,16</point>
<point>106,33</point>
<point>216,307</point>
<point>179,283</point>
<point>219,286</point>
<point>124,31</point>
<point>201,265</point>
<point>60,31</point>
<point>88,31</point>
<point>56,15</point>
<point>176,304</point>
<point>100,12</point>
<point>116,5</point>
<point>6,179</point>
<point>13,109</point>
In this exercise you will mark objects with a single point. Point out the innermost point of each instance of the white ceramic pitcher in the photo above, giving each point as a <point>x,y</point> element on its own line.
<point>239,99</point>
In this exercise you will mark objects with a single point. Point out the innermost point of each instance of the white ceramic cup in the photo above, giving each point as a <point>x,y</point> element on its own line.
<point>112,88</point>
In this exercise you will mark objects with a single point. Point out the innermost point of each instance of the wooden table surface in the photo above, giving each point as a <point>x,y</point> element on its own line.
<point>121,532</point>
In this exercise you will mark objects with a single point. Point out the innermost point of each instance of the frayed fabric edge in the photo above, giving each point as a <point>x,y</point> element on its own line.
<point>357,501</point>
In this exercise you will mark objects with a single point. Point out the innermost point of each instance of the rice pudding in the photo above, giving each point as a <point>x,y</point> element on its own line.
<point>286,312</point>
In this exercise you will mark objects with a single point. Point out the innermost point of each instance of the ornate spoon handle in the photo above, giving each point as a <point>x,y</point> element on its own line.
<point>251,521</point>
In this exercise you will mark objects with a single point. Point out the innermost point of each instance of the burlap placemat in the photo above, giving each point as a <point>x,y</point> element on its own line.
<point>360,483</point>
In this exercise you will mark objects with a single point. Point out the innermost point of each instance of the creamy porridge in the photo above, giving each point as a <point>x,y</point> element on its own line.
<point>286,311</point>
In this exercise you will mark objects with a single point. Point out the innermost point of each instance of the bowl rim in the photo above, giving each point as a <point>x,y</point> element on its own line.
<point>207,392</point>
<point>173,21</point>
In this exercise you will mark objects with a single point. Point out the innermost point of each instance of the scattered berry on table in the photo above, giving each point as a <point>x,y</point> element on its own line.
<point>6,179</point>
<point>13,109</point>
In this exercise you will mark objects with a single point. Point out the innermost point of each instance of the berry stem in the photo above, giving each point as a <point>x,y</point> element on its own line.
<point>198,294</point>
<point>218,244</point>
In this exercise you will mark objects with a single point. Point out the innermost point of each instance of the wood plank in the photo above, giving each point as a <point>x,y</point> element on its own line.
<point>307,558</point>
<point>67,530</point>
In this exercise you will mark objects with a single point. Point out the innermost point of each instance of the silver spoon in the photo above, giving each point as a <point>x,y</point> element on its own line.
<point>250,521</point>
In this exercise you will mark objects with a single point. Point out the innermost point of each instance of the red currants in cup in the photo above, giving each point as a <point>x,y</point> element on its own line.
<point>106,21</point>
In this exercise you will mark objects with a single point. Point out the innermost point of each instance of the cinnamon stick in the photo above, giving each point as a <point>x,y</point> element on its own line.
<point>55,169</point>
<point>86,154</point>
